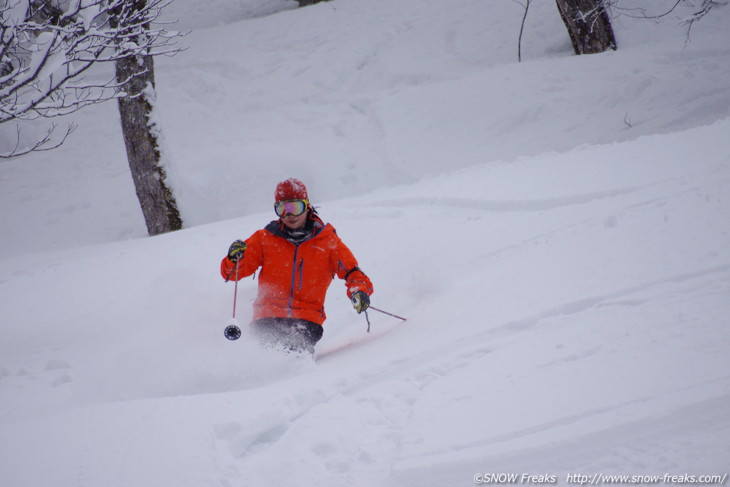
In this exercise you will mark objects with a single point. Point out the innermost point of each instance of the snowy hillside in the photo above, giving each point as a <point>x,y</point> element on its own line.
<point>556,231</point>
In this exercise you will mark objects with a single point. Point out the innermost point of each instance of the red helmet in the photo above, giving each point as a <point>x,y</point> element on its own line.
<point>291,189</point>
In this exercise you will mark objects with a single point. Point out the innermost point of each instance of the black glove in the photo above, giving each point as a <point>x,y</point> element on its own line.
<point>235,251</point>
<point>360,301</point>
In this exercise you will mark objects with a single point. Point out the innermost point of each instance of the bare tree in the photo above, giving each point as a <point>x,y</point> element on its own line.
<point>46,46</point>
<point>135,75</point>
<point>45,49</point>
<point>588,24</point>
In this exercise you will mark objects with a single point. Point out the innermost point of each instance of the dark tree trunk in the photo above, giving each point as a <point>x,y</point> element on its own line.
<point>588,25</point>
<point>143,147</point>
<point>304,3</point>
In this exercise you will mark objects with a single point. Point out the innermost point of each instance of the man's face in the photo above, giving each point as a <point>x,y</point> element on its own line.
<point>293,213</point>
<point>294,222</point>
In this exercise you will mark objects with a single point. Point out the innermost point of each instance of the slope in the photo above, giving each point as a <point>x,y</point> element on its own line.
<point>565,283</point>
<point>571,328</point>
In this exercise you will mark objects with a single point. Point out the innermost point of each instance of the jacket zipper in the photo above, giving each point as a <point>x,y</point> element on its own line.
<point>293,281</point>
<point>301,274</point>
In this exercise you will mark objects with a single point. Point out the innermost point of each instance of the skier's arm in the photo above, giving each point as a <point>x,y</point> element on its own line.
<point>346,268</point>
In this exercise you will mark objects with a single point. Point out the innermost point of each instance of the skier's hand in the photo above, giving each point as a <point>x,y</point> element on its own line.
<point>235,251</point>
<point>360,301</point>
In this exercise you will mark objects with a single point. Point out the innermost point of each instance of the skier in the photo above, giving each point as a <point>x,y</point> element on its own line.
<point>298,255</point>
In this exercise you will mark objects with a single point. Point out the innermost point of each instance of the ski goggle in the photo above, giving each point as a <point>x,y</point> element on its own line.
<point>290,207</point>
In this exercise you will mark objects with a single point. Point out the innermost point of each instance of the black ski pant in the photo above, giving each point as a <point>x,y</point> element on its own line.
<point>290,334</point>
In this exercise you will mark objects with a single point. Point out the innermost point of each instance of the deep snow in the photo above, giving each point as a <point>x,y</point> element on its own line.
<point>557,233</point>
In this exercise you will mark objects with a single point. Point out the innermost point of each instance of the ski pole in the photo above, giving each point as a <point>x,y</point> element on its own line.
<point>232,331</point>
<point>231,273</point>
<point>367,318</point>
<point>235,291</point>
<point>386,313</point>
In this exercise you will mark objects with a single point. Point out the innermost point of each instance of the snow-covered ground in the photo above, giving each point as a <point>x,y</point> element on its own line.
<point>556,231</point>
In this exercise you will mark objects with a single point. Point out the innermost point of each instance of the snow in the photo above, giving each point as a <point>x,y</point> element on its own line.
<point>555,231</point>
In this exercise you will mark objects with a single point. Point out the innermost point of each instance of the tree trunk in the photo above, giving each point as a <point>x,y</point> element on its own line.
<point>141,139</point>
<point>588,25</point>
<point>304,3</point>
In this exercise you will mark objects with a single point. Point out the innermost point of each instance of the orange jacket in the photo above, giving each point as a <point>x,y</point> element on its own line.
<point>294,278</point>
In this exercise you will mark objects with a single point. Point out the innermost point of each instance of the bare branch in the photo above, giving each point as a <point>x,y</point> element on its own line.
<point>47,48</point>
<point>704,9</point>
<point>522,29</point>
<point>41,145</point>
